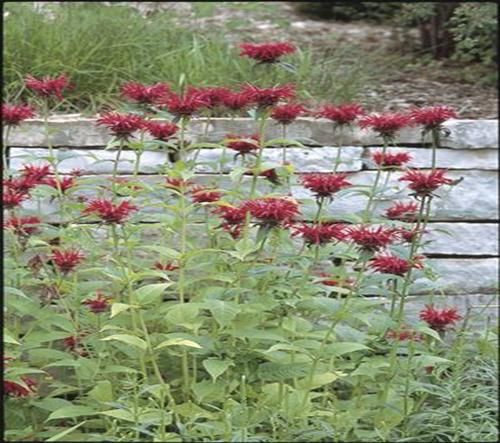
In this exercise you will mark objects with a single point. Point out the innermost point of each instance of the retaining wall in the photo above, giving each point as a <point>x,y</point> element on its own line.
<point>463,226</point>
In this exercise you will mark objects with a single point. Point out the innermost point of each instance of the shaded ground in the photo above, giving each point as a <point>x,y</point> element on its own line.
<point>397,81</point>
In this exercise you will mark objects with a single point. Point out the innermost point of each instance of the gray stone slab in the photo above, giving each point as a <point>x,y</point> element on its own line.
<point>82,132</point>
<point>484,159</point>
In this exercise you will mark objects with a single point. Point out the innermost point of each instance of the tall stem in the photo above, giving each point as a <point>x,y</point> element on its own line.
<point>262,130</point>
<point>339,151</point>
<point>115,166</point>
<point>375,184</point>
<point>283,134</point>
<point>435,145</point>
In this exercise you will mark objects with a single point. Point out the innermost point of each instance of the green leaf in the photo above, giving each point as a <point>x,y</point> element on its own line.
<point>7,338</point>
<point>216,367</point>
<point>271,371</point>
<point>178,342</point>
<point>341,348</point>
<point>128,339</point>
<point>151,293</point>
<point>120,414</point>
<point>117,308</point>
<point>185,315</point>
<point>320,380</point>
<point>224,312</point>
<point>102,392</point>
<point>71,412</point>
<point>65,432</point>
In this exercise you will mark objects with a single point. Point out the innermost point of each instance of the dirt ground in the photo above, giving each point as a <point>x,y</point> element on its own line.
<point>413,80</point>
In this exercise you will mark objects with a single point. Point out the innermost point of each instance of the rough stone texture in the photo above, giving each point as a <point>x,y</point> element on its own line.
<point>98,161</point>
<point>465,260</point>
<point>483,159</point>
<point>461,276</point>
<point>465,134</point>
<point>467,239</point>
<point>474,198</point>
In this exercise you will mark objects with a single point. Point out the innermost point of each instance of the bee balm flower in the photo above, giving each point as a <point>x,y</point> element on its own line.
<point>12,115</point>
<point>264,97</point>
<point>325,185</point>
<point>98,304</point>
<point>386,125</point>
<point>344,114</point>
<point>47,86</point>
<point>145,94</point>
<point>388,160</point>
<point>272,211</point>
<point>320,233</point>
<point>121,125</point>
<point>67,260</point>
<point>402,211</point>
<point>287,113</point>
<point>266,52</point>
<point>425,183</point>
<point>371,239</point>
<point>433,116</point>
<point>439,319</point>
<point>110,212</point>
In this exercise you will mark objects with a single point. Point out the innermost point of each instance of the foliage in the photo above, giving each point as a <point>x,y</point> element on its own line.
<point>137,312</point>
<point>377,12</point>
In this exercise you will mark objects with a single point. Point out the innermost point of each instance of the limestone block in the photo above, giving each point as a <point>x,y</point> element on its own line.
<point>484,159</point>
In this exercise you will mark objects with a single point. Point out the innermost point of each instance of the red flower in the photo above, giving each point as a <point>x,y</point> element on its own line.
<point>98,304</point>
<point>121,125</point>
<point>439,319</point>
<point>266,52</point>
<point>433,116</point>
<point>36,172</point>
<point>214,96</point>
<point>390,264</point>
<point>67,260</point>
<point>325,185</point>
<point>14,389</point>
<point>343,114</point>
<point>425,183</point>
<point>178,184</point>
<point>343,283</point>
<point>402,211</point>
<point>404,334</point>
<point>236,101</point>
<point>320,233</point>
<point>110,212</point>
<point>166,267</point>
<point>186,105</point>
<point>233,217</point>
<point>272,210</point>
<point>12,198</point>
<point>386,124</point>
<point>23,225</point>
<point>244,144</point>
<point>47,86</point>
<point>271,175</point>
<point>161,131</point>
<point>14,114</point>
<point>22,184</point>
<point>205,195</point>
<point>391,160</point>
<point>73,344</point>
<point>145,94</point>
<point>64,183</point>
<point>264,97</point>
<point>287,113</point>
<point>371,239</point>
<point>408,235</point>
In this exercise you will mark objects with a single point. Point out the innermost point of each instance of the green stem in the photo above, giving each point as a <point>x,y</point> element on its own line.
<point>283,133</point>
<point>436,142</point>
<point>115,166</point>
<point>262,130</point>
<point>339,151</point>
<point>375,185</point>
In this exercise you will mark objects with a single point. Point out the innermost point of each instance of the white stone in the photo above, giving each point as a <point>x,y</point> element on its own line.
<point>463,239</point>
<point>484,159</point>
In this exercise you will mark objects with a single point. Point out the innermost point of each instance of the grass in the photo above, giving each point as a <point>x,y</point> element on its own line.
<point>101,47</point>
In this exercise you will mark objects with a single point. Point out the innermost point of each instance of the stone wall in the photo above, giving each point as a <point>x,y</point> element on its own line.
<point>463,229</point>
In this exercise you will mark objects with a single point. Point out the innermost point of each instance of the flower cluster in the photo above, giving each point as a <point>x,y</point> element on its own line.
<point>98,304</point>
<point>266,97</point>
<point>267,52</point>
<point>425,183</point>
<point>187,104</point>
<point>67,260</point>
<point>390,264</point>
<point>402,211</point>
<point>389,160</point>
<point>325,185</point>
<point>386,125</point>
<point>144,94</point>
<point>110,212</point>
<point>23,226</point>
<point>432,117</point>
<point>233,219</point>
<point>121,125</point>
<point>439,319</point>
<point>272,211</point>
<point>341,115</point>
<point>287,113</point>
<point>47,86</point>
<point>370,238</point>
<point>244,144</point>
<point>201,194</point>
<point>14,114</point>
<point>161,131</point>
<point>320,233</point>
<point>403,334</point>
